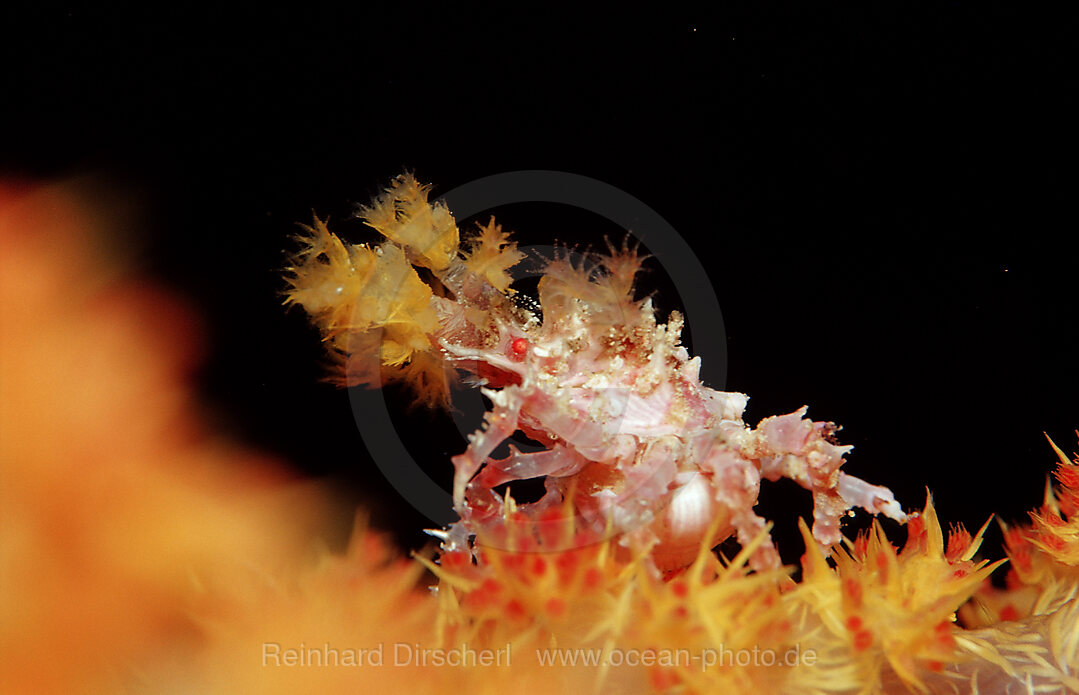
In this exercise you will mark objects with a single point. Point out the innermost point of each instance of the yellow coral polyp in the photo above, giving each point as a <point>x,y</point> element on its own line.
<point>1046,550</point>
<point>403,215</point>
<point>491,254</point>
<point>606,292</point>
<point>323,271</point>
<point>1055,530</point>
<point>529,581</point>
<point>366,301</point>
<point>895,608</point>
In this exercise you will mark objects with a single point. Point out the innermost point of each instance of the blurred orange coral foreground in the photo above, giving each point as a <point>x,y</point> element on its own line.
<point>139,552</point>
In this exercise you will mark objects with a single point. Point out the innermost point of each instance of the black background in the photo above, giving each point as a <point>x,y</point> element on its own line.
<point>878,195</point>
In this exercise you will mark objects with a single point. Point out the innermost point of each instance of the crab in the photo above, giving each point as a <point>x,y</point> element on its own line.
<point>630,439</point>
<point>628,429</point>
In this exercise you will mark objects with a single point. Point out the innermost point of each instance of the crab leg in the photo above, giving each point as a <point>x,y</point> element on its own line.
<point>875,499</point>
<point>736,483</point>
<point>560,461</point>
<point>499,424</point>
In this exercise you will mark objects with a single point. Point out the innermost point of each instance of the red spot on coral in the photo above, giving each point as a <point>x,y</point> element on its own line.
<point>593,578</point>
<point>861,545</point>
<point>514,561</point>
<point>934,666</point>
<point>566,562</point>
<point>881,560</point>
<point>944,634</point>
<point>1009,612</point>
<point>518,349</point>
<point>679,588</point>
<point>853,590</point>
<point>915,532</point>
<point>863,639</point>
<point>455,560</point>
<point>556,607</point>
<point>514,610</point>
<point>663,678</point>
<point>539,566</point>
<point>959,573</point>
<point>1022,560</point>
<point>480,598</point>
<point>854,623</point>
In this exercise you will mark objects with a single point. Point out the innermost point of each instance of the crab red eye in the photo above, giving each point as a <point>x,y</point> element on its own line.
<point>518,348</point>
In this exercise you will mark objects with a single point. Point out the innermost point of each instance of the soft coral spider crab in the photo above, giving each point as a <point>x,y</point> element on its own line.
<point>633,440</point>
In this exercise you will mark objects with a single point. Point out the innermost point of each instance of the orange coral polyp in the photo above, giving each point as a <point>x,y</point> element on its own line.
<point>959,542</point>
